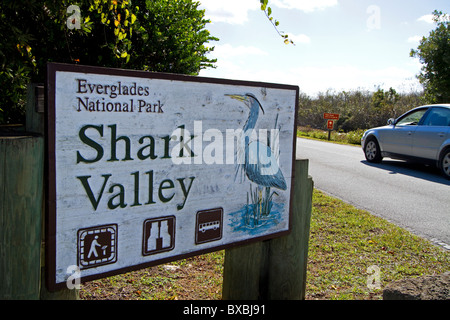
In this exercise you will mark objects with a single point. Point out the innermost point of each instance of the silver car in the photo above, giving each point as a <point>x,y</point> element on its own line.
<point>421,134</point>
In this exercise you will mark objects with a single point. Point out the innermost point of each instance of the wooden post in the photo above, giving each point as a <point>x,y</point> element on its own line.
<point>289,254</point>
<point>244,268</point>
<point>274,269</point>
<point>22,208</point>
<point>35,122</point>
<point>21,185</point>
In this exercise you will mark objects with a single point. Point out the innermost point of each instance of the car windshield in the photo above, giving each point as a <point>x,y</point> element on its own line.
<point>411,119</point>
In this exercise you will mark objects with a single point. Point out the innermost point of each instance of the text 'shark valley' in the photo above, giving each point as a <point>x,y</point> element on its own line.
<point>166,189</point>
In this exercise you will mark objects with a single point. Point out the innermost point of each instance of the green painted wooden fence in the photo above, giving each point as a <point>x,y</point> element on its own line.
<point>22,209</point>
<point>21,191</point>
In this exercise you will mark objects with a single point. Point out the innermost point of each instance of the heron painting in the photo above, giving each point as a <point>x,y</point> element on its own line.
<point>257,161</point>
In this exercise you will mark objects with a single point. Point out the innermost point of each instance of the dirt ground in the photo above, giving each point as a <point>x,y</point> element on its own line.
<point>197,278</point>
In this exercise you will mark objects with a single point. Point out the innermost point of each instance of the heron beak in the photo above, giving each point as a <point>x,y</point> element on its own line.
<point>237,97</point>
<point>246,99</point>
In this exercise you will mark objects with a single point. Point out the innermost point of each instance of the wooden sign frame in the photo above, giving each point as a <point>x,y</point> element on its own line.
<point>108,125</point>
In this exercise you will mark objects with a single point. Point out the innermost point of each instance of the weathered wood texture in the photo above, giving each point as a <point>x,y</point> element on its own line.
<point>288,255</point>
<point>141,169</point>
<point>21,185</point>
<point>35,122</point>
<point>22,210</point>
<point>244,268</point>
<point>274,269</point>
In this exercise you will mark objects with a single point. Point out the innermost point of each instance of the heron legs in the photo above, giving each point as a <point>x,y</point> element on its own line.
<point>260,206</point>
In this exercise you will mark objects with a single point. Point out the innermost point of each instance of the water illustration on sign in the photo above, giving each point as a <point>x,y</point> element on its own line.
<point>258,162</point>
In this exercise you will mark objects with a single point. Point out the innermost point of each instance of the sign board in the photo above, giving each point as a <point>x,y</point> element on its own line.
<point>330,124</point>
<point>331,116</point>
<point>146,168</point>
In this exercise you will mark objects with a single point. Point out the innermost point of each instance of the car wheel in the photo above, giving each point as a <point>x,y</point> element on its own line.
<point>444,163</point>
<point>372,150</point>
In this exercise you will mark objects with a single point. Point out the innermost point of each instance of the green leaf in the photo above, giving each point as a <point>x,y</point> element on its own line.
<point>264,4</point>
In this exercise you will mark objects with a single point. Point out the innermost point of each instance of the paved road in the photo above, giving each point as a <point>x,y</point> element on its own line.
<point>412,196</point>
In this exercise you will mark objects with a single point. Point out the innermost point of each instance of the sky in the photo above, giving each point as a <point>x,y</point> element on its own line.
<point>339,44</point>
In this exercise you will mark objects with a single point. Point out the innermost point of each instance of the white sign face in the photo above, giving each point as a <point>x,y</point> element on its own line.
<point>146,168</point>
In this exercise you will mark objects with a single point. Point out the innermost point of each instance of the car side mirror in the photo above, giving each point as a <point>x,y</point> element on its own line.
<point>391,121</point>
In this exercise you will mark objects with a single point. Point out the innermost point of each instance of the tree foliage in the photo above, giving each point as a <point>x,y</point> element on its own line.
<point>171,37</point>
<point>358,109</point>
<point>152,35</point>
<point>275,23</point>
<point>434,53</point>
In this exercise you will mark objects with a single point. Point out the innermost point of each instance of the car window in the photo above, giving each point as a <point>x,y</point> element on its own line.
<point>412,118</point>
<point>438,117</point>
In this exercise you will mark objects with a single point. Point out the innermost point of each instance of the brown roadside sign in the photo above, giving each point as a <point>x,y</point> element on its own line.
<point>331,116</point>
<point>330,124</point>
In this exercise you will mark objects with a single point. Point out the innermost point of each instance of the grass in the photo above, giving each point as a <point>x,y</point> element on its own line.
<point>197,278</point>
<point>352,137</point>
<point>345,243</point>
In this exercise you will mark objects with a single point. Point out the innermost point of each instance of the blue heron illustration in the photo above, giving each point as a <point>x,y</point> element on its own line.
<point>256,160</point>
